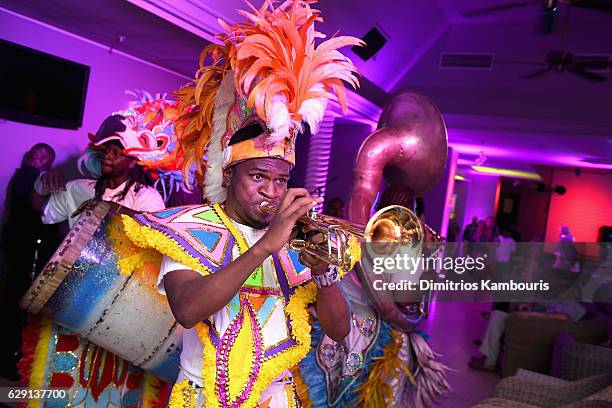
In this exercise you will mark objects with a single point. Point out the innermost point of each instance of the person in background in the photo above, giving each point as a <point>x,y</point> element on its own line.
<point>486,233</point>
<point>470,229</point>
<point>491,233</point>
<point>566,249</point>
<point>419,210</point>
<point>503,267</point>
<point>335,208</point>
<point>476,247</point>
<point>468,235</point>
<point>27,244</point>
<point>23,227</point>
<point>516,236</point>
<point>491,344</point>
<point>565,235</point>
<point>453,228</point>
<point>503,254</point>
<point>122,181</point>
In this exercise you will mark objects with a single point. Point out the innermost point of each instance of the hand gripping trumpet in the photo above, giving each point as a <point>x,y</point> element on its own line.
<point>390,227</point>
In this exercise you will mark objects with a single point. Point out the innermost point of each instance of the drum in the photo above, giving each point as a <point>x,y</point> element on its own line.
<point>104,288</point>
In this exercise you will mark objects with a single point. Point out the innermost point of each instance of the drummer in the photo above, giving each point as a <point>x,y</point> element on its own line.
<point>120,179</point>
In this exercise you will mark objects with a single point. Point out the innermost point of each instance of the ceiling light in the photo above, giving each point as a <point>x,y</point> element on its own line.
<point>507,172</point>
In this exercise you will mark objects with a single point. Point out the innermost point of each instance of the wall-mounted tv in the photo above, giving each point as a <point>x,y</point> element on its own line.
<point>40,88</point>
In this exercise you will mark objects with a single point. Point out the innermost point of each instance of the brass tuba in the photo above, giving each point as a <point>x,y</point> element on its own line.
<point>408,151</point>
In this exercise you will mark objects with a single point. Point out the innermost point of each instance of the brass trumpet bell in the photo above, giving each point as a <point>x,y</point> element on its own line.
<point>391,227</point>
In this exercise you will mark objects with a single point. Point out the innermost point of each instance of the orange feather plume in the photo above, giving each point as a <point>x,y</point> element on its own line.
<point>276,56</point>
<point>276,66</point>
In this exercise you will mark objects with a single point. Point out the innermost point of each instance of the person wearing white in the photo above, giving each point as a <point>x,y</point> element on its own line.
<point>505,249</point>
<point>503,253</point>
<point>121,180</point>
<point>62,205</point>
<point>274,330</point>
<point>491,343</point>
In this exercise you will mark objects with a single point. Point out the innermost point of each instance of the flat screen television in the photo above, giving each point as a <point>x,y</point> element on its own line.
<point>40,88</point>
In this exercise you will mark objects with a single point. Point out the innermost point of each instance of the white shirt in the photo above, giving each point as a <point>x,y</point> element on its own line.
<point>192,353</point>
<point>574,310</point>
<point>60,206</point>
<point>505,249</point>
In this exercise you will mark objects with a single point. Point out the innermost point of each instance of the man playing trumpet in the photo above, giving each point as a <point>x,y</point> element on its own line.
<point>231,280</point>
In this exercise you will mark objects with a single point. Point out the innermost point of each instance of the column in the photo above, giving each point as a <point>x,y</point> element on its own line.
<point>318,158</point>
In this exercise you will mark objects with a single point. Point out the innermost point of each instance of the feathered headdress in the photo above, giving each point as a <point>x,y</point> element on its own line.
<point>147,130</point>
<point>266,79</point>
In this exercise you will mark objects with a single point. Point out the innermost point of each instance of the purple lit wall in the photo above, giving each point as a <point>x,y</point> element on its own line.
<point>437,200</point>
<point>348,136</point>
<point>110,76</point>
<point>480,197</point>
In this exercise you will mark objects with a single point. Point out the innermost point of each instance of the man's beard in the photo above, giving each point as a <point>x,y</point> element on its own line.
<point>257,224</point>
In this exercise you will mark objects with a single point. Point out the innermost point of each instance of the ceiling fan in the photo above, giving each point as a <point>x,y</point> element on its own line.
<point>548,10</point>
<point>561,61</point>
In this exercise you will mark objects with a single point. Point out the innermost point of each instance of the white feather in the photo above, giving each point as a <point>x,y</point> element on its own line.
<point>313,109</point>
<point>213,179</point>
<point>280,120</point>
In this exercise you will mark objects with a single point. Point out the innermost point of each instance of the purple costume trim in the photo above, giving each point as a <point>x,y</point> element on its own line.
<point>260,291</point>
<point>282,280</point>
<point>222,375</point>
<point>184,244</point>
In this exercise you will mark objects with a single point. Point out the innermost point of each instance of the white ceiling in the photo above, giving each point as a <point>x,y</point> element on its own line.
<point>556,119</point>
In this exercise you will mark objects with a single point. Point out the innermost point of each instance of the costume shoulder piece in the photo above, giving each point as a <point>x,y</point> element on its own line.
<point>197,235</point>
<point>202,237</point>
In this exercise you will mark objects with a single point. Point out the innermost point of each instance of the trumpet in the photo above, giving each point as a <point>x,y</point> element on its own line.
<point>392,226</point>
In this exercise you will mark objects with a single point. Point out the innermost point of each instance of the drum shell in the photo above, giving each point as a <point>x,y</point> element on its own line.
<point>104,288</point>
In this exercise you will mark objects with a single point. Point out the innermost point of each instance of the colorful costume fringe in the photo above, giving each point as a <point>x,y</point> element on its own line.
<point>374,366</point>
<point>56,358</point>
